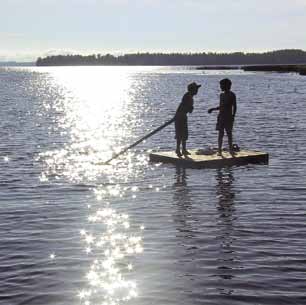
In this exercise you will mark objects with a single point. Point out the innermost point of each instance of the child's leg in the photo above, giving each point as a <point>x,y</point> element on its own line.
<point>230,139</point>
<point>178,144</point>
<point>185,151</point>
<point>220,140</point>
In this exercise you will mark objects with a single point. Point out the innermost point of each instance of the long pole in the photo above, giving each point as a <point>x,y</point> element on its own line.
<point>140,140</point>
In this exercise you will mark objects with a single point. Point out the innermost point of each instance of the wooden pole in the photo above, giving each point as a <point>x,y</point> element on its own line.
<point>140,140</point>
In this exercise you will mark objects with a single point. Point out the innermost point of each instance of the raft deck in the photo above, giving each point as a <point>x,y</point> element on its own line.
<point>197,159</point>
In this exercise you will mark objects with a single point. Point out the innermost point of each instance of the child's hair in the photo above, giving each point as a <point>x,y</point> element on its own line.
<point>225,83</point>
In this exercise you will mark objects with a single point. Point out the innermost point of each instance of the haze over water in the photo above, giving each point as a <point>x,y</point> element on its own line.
<point>78,232</point>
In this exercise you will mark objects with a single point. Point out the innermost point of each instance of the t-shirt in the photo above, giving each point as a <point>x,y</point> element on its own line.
<point>186,104</point>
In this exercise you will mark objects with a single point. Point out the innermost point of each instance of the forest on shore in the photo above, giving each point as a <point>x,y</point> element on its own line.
<point>278,57</point>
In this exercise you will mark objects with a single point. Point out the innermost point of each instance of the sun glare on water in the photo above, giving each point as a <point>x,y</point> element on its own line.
<point>94,113</point>
<point>92,109</point>
<point>110,244</point>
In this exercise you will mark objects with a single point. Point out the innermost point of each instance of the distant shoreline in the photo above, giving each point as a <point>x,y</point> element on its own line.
<point>16,64</point>
<point>280,68</point>
<point>301,69</point>
<point>291,60</point>
<point>278,57</point>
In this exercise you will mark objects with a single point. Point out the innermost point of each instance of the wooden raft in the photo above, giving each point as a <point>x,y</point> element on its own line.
<point>202,160</point>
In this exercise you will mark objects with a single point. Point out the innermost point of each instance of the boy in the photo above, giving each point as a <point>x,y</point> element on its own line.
<point>226,117</point>
<point>181,123</point>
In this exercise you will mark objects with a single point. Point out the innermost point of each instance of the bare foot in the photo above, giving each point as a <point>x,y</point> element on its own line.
<point>219,153</point>
<point>232,153</point>
<point>178,153</point>
<point>186,152</point>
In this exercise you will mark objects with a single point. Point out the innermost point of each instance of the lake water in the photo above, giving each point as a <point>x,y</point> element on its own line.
<point>74,231</point>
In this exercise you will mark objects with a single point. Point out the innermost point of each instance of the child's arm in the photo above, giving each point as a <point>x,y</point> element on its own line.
<point>189,105</point>
<point>216,108</point>
<point>213,109</point>
<point>190,108</point>
<point>234,106</point>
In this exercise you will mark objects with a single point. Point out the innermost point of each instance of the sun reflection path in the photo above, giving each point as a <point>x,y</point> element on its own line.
<point>92,113</point>
<point>110,248</point>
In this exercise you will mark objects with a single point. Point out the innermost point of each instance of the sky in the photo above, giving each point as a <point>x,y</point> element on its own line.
<point>32,28</point>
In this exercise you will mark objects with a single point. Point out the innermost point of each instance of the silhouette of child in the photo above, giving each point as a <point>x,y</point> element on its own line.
<point>227,111</point>
<point>181,122</point>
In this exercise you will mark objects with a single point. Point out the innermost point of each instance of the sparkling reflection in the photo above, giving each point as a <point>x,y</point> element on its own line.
<point>110,245</point>
<point>95,116</point>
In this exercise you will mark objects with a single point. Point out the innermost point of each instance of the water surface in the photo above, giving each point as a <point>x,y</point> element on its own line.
<point>77,232</point>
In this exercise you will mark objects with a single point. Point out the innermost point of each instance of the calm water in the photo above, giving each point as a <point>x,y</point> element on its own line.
<point>76,232</point>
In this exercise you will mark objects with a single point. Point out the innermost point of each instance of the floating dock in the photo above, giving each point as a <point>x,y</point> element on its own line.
<point>202,159</point>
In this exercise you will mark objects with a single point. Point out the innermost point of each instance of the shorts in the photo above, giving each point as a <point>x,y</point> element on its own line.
<point>181,128</point>
<point>224,123</point>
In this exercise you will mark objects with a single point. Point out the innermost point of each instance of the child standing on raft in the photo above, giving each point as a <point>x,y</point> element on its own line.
<point>227,111</point>
<point>181,122</point>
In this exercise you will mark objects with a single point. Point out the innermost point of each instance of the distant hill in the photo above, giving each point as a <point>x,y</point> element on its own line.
<point>290,56</point>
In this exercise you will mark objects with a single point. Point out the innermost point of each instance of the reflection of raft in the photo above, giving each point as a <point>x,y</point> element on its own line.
<point>203,159</point>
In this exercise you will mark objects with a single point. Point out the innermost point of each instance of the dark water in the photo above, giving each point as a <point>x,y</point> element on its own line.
<point>76,232</point>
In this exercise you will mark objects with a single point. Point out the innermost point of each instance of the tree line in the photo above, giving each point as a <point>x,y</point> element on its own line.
<point>288,56</point>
